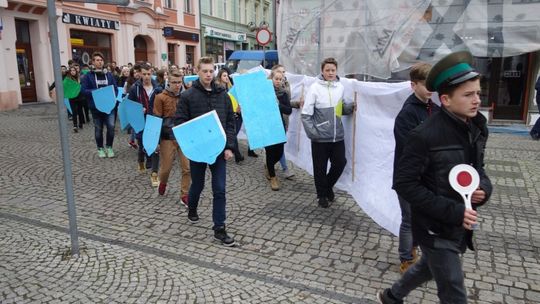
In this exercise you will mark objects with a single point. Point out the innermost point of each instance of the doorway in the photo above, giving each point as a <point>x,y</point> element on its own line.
<point>25,64</point>
<point>141,49</point>
<point>504,85</point>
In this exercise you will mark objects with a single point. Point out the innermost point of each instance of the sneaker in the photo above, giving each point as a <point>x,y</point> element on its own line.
<point>101,153</point>
<point>386,297</point>
<point>330,196</point>
<point>252,153</point>
<point>323,202</point>
<point>184,200</point>
<point>154,179</point>
<point>133,144</point>
<point>80,127</point>
<point>274,183</point>
<point>220,234</point>
<point>110,152</point>
<point>75,130</point>
<point>141,168</point>
<point>192,216</point>
<point>161,189</point>
<point>287,174</point>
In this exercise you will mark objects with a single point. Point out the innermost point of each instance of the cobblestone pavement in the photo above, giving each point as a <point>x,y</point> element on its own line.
<point>138,247</point>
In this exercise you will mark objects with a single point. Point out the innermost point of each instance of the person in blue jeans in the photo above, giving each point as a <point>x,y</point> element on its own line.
<point>100,78</point>
<point>204,96</point>
<point>416,109</point>
<point>535,131</point>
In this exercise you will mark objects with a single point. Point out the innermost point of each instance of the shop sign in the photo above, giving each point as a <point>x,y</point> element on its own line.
<point>223,34</point>
<point>90,21</point>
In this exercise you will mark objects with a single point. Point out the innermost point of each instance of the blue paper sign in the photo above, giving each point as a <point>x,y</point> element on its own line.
<point>68,105</point>
<point>260,111</point>
<point>104,99</point>
<point>201,139</point>
<point>119,95</point>
<point>190,78</point>
<point>135,114</point>
<point>152,131</point>
<point>122,116</point>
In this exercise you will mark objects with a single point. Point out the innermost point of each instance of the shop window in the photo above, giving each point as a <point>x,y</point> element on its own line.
<point>84,43</point>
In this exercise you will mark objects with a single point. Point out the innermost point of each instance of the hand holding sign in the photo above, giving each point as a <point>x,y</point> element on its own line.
<point>464,179</point>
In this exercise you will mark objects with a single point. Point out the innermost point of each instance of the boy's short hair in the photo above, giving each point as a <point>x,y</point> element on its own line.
<point>100,54</point>
<point>329,60</point>
<point>419,72</point>
<point>204,60</point>
<point>145,66</point>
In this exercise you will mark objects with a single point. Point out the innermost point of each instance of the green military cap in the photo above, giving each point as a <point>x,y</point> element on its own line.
<point>453,69</point>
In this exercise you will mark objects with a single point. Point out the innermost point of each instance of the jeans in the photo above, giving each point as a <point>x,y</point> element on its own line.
<point>102,119</point>
<point>321,153</point>
<point>406,242</point>
<point>283,162</point>
<point>218,170</point>
<point>441,264</point>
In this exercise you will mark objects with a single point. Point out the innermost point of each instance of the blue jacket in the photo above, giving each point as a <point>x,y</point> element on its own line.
<point>88,84</point>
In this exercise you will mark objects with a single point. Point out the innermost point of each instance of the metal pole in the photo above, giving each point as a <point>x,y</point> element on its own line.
<point>62,122</point>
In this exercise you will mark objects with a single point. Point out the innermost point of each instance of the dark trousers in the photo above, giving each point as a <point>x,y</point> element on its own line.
<point>321,153</point>
<point>77,115</point>
<point>100,120</point>
<point>535,131</point>
<point>406,241</point>
<point>218,170</point>
<point>441,264</point>
<point>152,159</point>
<point>85,110</point>
<point>273,154</point>
<point>238,122</point>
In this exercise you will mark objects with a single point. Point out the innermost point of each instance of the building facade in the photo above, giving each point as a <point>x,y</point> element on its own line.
<point>161,32</point>
<point>228,25</point>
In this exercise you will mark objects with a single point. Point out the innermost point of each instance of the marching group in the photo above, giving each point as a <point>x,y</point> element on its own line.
<point>430,140</point>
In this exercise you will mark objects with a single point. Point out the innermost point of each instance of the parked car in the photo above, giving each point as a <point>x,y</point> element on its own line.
<point>245,60</point>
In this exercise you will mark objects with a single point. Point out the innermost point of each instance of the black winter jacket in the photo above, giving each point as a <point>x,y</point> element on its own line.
<point>413,113</point>
<point>421,177</point>
<point>197,101</point>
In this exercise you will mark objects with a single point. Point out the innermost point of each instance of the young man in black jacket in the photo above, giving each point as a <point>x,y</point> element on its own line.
<point>202,97</point>
<point>417,108</point>
<point>441,224</point>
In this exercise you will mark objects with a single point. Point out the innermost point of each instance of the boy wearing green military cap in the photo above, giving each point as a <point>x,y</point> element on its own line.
<point>440,223</point>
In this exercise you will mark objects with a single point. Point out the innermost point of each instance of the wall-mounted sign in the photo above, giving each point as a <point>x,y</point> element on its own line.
<point>170,32</point>
<point>223,34</point>
<point>90,21</point>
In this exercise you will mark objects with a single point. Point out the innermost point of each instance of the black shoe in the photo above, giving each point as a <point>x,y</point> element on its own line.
<point>323,202</point>
<point>252,153</point>
<point>75,130</point>
<point>535,136</point>
<point>239,158</point>
<point>330,196</point>
<point>193,216</point>
<point>386,297</point>
<point>221,235</point>
<point>80,126</point>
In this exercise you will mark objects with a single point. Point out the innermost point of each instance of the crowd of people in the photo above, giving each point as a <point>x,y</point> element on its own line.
<point>436,227</point>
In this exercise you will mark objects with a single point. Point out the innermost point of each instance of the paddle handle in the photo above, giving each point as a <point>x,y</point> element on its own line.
<point>467,197</point>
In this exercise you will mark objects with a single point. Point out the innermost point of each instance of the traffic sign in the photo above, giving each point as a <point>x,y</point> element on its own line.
<point>263,36</point>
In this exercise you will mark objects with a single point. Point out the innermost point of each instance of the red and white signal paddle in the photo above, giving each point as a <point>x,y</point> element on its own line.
<point>464,179</point>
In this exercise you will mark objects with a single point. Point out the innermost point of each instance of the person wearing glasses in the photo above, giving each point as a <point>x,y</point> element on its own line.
<point>165,107</point>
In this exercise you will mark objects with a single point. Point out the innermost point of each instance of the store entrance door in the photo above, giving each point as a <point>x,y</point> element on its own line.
<point>141,49</point>
<point>24,61</point>
<point>505,84</point>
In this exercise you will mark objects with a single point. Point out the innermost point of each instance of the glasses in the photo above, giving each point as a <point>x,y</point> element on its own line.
<point>175,82</point>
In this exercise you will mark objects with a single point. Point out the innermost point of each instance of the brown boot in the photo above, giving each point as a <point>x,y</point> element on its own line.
<point>274,183</point>
<point>142,168</point>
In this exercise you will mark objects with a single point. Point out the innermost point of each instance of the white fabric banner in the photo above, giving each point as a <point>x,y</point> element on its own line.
<point>371,154</point>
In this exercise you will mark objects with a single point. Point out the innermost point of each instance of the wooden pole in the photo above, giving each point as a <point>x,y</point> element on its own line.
<point>354,137</point>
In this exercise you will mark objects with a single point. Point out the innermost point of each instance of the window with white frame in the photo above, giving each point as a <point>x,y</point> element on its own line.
<point>187,6</point>
<point>224,9</point>
<point>169,3</point>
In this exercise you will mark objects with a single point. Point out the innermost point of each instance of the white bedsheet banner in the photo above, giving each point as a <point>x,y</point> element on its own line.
<point>378,105</point>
